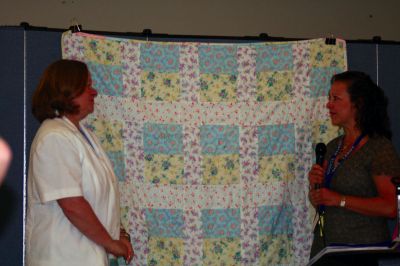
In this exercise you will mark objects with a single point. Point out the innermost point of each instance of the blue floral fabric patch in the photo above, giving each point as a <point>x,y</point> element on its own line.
<point>218,59</point>
<point>221,223</point>
<point>165,222</point>
<point>162,138</point>
<point>219,139</point>
<point>163,58</point>
<point>275,220</point>
<point>274,57</point>
<point>118,161</point>
<point>276,139</point>
<point>320,81</point>
<point>107,79</point>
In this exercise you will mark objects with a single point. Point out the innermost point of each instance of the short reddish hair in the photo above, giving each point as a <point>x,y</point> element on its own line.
<point>60,83</point>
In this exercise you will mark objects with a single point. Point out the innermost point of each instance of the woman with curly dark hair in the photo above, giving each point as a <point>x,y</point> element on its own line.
<point>353,186</point>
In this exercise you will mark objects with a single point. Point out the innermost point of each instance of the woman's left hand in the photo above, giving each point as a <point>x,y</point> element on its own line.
<point>126,240</point>
<point>325,196</point>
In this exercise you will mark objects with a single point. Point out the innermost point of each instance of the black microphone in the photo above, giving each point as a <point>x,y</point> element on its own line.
<point>320,151</point>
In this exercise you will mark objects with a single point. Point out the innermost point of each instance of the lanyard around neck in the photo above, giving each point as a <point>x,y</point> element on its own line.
<point>86,137</point>
<point>331,166</point>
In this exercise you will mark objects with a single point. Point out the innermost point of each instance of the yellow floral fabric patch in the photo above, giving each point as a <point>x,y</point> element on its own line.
<point>221,169</point>
<point>218,88</point>
<point>165,251</point>
<point>274,86</point>
<point>324,131</point>
<point>275,250</point>
<point>156,86</point>
<point>164,169</point>
<point>103,51</point>
<point>222,251</point>
<point>109,133</point>
<point>276,168</point>
<point>323,55</point>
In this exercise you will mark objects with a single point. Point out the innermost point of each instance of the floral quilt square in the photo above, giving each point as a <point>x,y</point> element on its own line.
<point>324,131</point>
<point>320,80</point>
<point>274,57</point>
<point>164,169</point>
<point>276,139</point>
<point>109,132</point>
<point>274,86</point>
<point>219,139</point>
<point>165,251</point>
<point>221,169</point>
<point>323,55</point>
<point>220,223</point>
<point>156,86</point>
<point>107,79</point>
<point>159,57</point>
<point>275,220</point>
<point>222,251</point>
<point>117,159</point>
<point>162,138</point>
<point>276,168</point>
<point>276,250</point>
<point>102,51</point>
<point>218,88</point>
<point>218,59</point>
<point>165,222</point>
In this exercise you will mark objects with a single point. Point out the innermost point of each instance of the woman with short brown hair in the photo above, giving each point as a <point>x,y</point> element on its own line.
<point>73,200</point>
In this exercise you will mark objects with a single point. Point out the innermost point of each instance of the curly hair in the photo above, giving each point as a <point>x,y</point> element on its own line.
<point>60,83</point>
<point>370,102</point>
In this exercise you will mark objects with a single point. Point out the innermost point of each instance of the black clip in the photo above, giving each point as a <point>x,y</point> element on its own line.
<point>376,39</point>
<point>147,33</point>
<point>330,41</point>
<point>264,36</point>
<point>75,28</point>
<point>25,25</point>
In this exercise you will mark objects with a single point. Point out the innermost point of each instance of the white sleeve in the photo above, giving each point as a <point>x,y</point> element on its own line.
<point>57,169</point>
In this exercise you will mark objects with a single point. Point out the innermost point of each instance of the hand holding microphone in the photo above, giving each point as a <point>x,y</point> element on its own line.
<point>316,176</point>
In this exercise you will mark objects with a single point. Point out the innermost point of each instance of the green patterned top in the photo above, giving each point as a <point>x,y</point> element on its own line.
<point>355,177</point>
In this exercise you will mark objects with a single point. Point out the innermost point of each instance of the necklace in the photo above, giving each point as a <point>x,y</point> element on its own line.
<point>332,167</point>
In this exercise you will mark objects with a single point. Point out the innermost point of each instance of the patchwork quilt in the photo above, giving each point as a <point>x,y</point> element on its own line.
<point>212,143</point>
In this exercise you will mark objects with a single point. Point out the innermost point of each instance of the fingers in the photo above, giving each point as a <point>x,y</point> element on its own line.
<point>316,176</point>
<point>325,197</point>
<point>314,197</point>
<point>130,255</point>
<point>126,240</point>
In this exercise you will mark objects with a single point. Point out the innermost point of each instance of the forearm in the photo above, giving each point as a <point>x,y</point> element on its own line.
<point>81,215</point>
<point>376,206</point>
<point>382,205</point>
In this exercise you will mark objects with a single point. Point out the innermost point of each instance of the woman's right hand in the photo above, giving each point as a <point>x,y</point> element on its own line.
<point>316,176</point>
<point>315,179</point>
<point>119,249</point>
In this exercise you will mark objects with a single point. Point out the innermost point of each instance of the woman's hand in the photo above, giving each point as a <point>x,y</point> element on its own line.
<point>81,215</point>
<point>126,239</point>
<point>324,196</point>
<point>121,248</point>
<point>117,248</point>
<point>315,179</point>
<point>316,176</point>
